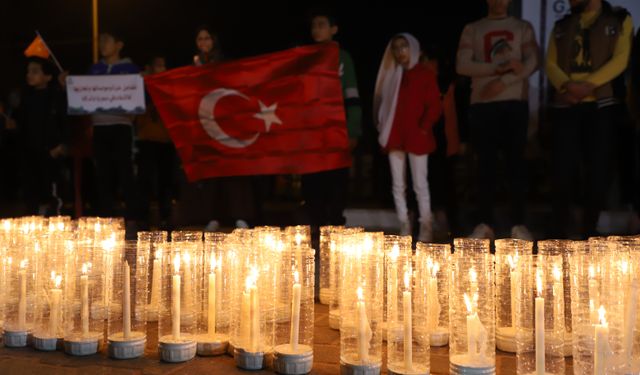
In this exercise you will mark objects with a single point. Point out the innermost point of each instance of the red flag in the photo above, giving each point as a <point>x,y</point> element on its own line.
<point>272,114</point>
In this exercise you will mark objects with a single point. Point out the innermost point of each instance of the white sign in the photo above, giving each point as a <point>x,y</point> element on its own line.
<point>122,93</point>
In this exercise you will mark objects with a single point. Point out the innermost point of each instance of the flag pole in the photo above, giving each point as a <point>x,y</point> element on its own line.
<point>94,14</point>
<point>50,52</point>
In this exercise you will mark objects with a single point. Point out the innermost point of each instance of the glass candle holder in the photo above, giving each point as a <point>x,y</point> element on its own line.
<point>127,328</point>
<point>49,303</point>
<point>508,254</point>
<point>540,315</point>
<point>397,249</point>
<point>177,321</point>
<point>274,242</point>
<point>432,263</point>
<point>408,338</point>
<point>563,248</point>
<point>327,250</point>
<point>597,305</point>
<point>342,239</point>
<point>471,246</point>
<point>84,329</point>
<point>361,304</point>
<point>20,296</point>
<point>472,313</point>
<point>293,351</point>
<point>152,243</point>
<point>109,244</point>
<point>253,302</point>
<point>213,320</point>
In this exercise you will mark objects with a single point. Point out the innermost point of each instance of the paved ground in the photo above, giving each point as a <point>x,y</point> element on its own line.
<point>326,360</point>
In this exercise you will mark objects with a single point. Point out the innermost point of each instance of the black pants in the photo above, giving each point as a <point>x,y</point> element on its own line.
<point>582,139</point>
<point>112,152</point>
<point>157,165</point>
<point>441,181</point>
<point>325,194</point>
<point>40,172</point>
<point>494,127</point>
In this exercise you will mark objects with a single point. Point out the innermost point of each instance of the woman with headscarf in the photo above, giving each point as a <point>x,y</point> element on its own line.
<point>406,105</point>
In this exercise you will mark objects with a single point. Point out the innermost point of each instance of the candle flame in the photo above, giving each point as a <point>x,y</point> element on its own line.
<point>513,261</point>
<point>187,258</point>
<point>368,244</point>
<point>407,279</point>
<point>298,239</point>
<point>539,282</point>
<point>85,268</point>
<point>295,276</point>
<point>467,302</point>
<point>57,281</point>
<point>557,274</point>
<point>473,276</point>
<point>97,227</point>
<point>214,263</point>
<point>109,244</point>
<point>176,263</point>
<point>360,294</point>
<point>601,313</point>
<point>435,269</point>
<point>332,246</point>
<point>23,263</point>
<point>395,252</point>
<point>592,272</point>
<point>158,254</point>
<point>624,266</point>
<point>7,225</point>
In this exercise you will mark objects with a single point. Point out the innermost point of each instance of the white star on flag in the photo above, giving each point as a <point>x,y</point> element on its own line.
<point>268,115</point>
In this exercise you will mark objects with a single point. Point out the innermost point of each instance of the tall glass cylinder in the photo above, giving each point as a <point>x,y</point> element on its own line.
<point>152,243</point>
<point>472,313</point>
<point>127,328</point>
<point>432,262</point>
<point>335,280</point>
<point>540,315</point>
<point>109,245</point>
<point>213,319</point>
<point>361,304</point>
<point>397,249</point>
<point>293,351</point>
<point>508,254</point>
<point>327,250</point>
<point>177,323</point>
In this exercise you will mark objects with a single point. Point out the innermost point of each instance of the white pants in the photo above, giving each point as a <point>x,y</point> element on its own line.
<point>419,167</point>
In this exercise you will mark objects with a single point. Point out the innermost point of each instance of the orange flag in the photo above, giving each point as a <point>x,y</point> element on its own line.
<point>37,48</point>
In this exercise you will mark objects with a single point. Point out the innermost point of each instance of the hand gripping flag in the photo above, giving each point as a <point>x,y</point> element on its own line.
<point>278,113</point>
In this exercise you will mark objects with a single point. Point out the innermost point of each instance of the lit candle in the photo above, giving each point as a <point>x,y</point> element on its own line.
<point>473,281</point>
<point>407,314</point>
<point>188,293</point>
<point>254,332</point>
<point>22,302</point>
<point>211,324</point>
<point>298,239</point>
<point>108,246</point>
<point>295,312</point>
<point>392,299</point>
<point>126,301</point>
<point>175,299</point>
<point>514,275</point>
<point>155,281</point>
<point>363,328</point>
<point>539,326</point>
<point>434,302</point>
<point>594,295</point>
<point>56,294</point>
<point>84,291</point>
<point>601,344</point>
<point>476,332</point>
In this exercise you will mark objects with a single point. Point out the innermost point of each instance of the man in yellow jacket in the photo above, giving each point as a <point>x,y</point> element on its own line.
<point>588,51</point>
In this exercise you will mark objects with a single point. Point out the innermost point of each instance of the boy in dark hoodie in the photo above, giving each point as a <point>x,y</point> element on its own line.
<point>42,135</point>
<point>113,135</point>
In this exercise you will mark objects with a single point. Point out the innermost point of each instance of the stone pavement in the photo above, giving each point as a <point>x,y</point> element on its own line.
<point>28,361</point>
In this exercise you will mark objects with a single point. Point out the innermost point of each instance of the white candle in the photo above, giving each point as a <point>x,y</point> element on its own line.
<point>254,332</point>
<point>108,246</point>
<point>630,319</point>
<point>175,299</point>
<point>295,313</point>
<point>514,275</point>
<point>408,324</point>
<point>126,301</point>
<point>363,327</point>
<point>56,295</point>
<point>392,299</point>
<point>601,344</point>
<point>245,316</point>
<point>211,324</point>
<point>22,302</point>
<point>473,286</point>
<point>84,295</point>
<point>155,281</point>
<point>476,333</point>
<point>539,327</point>
<point>594,295</point>
<point>250,313</point>
<point>434,302</point>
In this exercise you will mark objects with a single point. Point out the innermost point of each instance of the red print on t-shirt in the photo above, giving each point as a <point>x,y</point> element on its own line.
<point>497,47</point>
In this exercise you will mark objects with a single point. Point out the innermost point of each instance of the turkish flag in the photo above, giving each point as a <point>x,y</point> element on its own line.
<point>278,113</point>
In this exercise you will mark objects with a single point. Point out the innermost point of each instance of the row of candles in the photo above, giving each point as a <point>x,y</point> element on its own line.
<point>574,298</point>
<point>249,293</point>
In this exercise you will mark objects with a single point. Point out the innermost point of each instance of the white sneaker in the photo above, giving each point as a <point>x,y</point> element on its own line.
<point>482,231</point>
<point>405,228</point>
<point>212,226</point>
<point>521,232</point>
<point>242,224</point>
<point>426,232</point>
